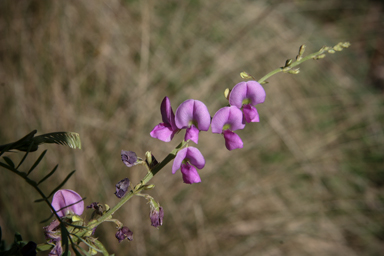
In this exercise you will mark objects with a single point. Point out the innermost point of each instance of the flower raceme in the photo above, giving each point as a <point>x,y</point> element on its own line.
<point>246,95</point>
<point>225,121</point>
<point>66,201</point>
<point>186,160</point>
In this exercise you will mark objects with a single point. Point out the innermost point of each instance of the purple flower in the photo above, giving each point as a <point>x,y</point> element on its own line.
<point>186,160</point>
<point>67,201</point>
<point>156,216</point>
<point>246,95</point>
<point>194,116</point>
<point>122,187</point>
<point>166,130</point>
<point>129,158</point>
<point>225,121</point>
<point>53,235</point>
<point>124,233</point>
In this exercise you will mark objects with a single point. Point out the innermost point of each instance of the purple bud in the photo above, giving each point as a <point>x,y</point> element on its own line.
<point>124,233</point>
<point>97,207</point>
<point>52,231</point>
<point>156,216</point>
<point>122,187</point>
<point>66,201</point>
<point>129,158</point>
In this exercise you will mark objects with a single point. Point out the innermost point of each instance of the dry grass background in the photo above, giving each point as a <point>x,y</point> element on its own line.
<point>309,180</point>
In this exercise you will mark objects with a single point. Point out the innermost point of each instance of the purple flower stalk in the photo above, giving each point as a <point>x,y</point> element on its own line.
<point>67,201</point>
<point>246,95</point>
<point>186,160</point>
<point>166,130</point>
<point>225,121</point>
<point>194,116</point>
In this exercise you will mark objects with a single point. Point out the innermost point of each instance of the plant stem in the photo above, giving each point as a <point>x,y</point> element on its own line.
<point>295,63</point>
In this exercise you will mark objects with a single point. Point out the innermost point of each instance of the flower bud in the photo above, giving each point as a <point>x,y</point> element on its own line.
<point>245,75</point>
<point>150,160</point>
<point>226,93</point>
<point>156,216</point>
<point>288,62</point>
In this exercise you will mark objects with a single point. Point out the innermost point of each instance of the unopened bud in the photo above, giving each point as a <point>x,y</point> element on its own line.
<point>148,187</point>
<point>150,159</point>
<point>345,44</point>
<point>332,51</point>
<point>294,71</point>
<point>226,93</point>
<point>302,50</point>
<point>288,62</point>
<point>245,75</point>
<point>319,56</point>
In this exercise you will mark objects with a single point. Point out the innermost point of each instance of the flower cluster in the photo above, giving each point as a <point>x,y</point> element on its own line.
<point>194,116</point>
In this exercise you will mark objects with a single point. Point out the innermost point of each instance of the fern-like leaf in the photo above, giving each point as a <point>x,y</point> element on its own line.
<point>70,139</point>
<point>29,143</point>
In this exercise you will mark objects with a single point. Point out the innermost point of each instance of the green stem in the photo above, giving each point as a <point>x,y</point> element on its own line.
<point>295,63</point>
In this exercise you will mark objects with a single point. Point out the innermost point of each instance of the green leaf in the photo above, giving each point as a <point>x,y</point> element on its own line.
<point>48,175</point>
<point>61,184</point>
<point>18,238</point>
<point>37,162</point>
<point>25,156</point>
<point>64,238</point>
<point>70,139</point>
<point>22,144</point>
<point>9,161</point>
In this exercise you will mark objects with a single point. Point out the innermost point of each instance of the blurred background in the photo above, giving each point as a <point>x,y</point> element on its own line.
<point>309,180</point>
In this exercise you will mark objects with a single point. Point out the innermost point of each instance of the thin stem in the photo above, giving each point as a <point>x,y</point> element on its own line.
<point>317,55</point>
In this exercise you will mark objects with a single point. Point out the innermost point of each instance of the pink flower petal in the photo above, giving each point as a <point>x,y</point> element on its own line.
<point>190,174</point>
<point>192,111</point>
<point>195,157</point>
<point>232,140</point>
<point>65,197</point>
<point>163,132</point>
<point>179,159</point>
<point>192,134</point>
<point>167,113</point>
<point>184,114</point>
<point>231,116</point>
<point>250,113</point>
<point>250,90</point>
